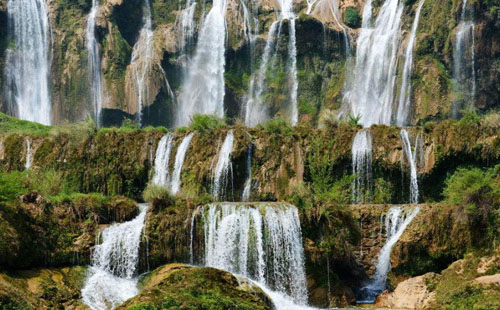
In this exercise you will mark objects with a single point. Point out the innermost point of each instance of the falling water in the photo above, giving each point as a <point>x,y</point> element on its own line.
<point>370,92</point>
<point>94,62</point>
<point>396,222</point>
<point>362,166</point>
<point>464,71</point>
<point>203,89</point>
<point>257,111</point>
<point>223,171</point>
<point>113,275</point>
<point>142,55</point>
<point>247,189</point>
<point>187,24</point>
<point>411,156</point>
<point>27,69</point>
<point>175,184</point>
<point>405,92</point>
<point>259,241</point>
<point>29,155</point>
<point>161,175</point>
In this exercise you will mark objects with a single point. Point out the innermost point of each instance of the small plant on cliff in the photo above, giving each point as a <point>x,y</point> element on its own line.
<point>12,185</point>
<point>156,194</point>
<point>352,18</point>
<point>206,123</point>
<point>278,126</point>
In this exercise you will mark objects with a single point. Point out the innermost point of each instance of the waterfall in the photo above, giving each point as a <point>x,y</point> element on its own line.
<point>362,166</point>
<point>223,171</point>
<point>464,71</point>
<point>187,24</point>
<point>113,275</point>
<point>161,175</point>
<point>175,184</point>
<point>411,156</point>
<point>94,62</point>
<point>405,92</point>
<point>27,62</point>
<point>261,241</point>
<point>203,89</point>
<point>142,55</point>
<point>29,155</point>
<point>396,222</point>
<point>257,111</point>
<point>247,189</point>
<point>370,92</point>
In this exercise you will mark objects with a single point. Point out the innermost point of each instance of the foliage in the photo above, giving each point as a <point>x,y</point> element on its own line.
<point>9,124</point>
<point>382,192</point>
<point>50,183</point>
<point>353,120</point>
<point>278,126</point>
<point>491,121</point>
<point>328,119</point>
<point>129,124</point>
<point>469,118</point>
<point>352,18</point>
<point>204,123</point>
<point>154,193</point>
<point>12,185</point>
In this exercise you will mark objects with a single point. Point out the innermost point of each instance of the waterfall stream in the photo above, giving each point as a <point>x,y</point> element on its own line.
<point>405,92</point>
<point>27,61</point>
<point>94,63</point>
<point>203,88</point>
<point>261,241</point>
<point>29,155</point>
<point>370,92</point>
<point>141,61</point>
<point>464,67</point>
<point>247,188</point>
<point>396,222</point>
<point>362,166</point>
<point>223,172</point>
<point>113,275</point>
<point>162,176</point>
<point>411,156</point>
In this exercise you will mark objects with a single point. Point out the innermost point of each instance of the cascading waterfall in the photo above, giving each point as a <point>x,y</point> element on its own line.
<point>396,222</point>
<point>411,156</point>
<point>203,89</point>
<point>370,92</point>
<point>113,275</point>
<point>257,111</point>
<point>187,24</point>
<point>29,155</point>
<point>175,184</point>
<point>247,188</point>
<point>362,166</point>
<point>94,62</point>
<point>405,92</point>
<point>161,175</point>
<point>464,71</point>
<point>27,63</point>
<point>142,55</point>
<point>260,241</point>
<point>223,171</point>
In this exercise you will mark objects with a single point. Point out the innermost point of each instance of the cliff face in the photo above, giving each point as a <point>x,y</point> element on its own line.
<point>323,56</point>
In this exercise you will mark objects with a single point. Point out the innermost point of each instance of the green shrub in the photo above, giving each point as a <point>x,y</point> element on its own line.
<point>352,18</point>
<point>12,185</point>
<point>50,183</point>
<point>154,193</point>
<point>204,123</point>
<point>278,126</point>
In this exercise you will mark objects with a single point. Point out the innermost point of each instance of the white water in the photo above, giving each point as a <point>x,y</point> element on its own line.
<point>141,61</point>
<point>94,62</point>
<point>175,184</point>
<point>411,157</point>
<point>257,111</point>
<point>161,175</point>
<point>362,166</point>
<point>113,275</point>
<point>27,63</point>
<point>370,92</point>
<point>259,241</point>
<point>203,89</point>
<point>29,155</point>
<point>464,71</point>
<point>396,222</point>
<point>223,171</point>
<point>405,92</point>
<point>247,188</point>
<point>187,24</point>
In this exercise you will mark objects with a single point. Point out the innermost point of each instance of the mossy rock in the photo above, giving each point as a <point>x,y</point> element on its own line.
<point>194,288</point>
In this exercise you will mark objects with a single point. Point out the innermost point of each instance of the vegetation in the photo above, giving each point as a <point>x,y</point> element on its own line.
<point>204,123</point>
<point>352,18</point>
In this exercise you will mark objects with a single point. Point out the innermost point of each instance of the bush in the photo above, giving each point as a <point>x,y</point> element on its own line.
<point>278,126</point>
<point>155,193</point>
<point>206,123</point>
<point>50,183</point>
<point>352,18</point>
<point>12,185</point>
